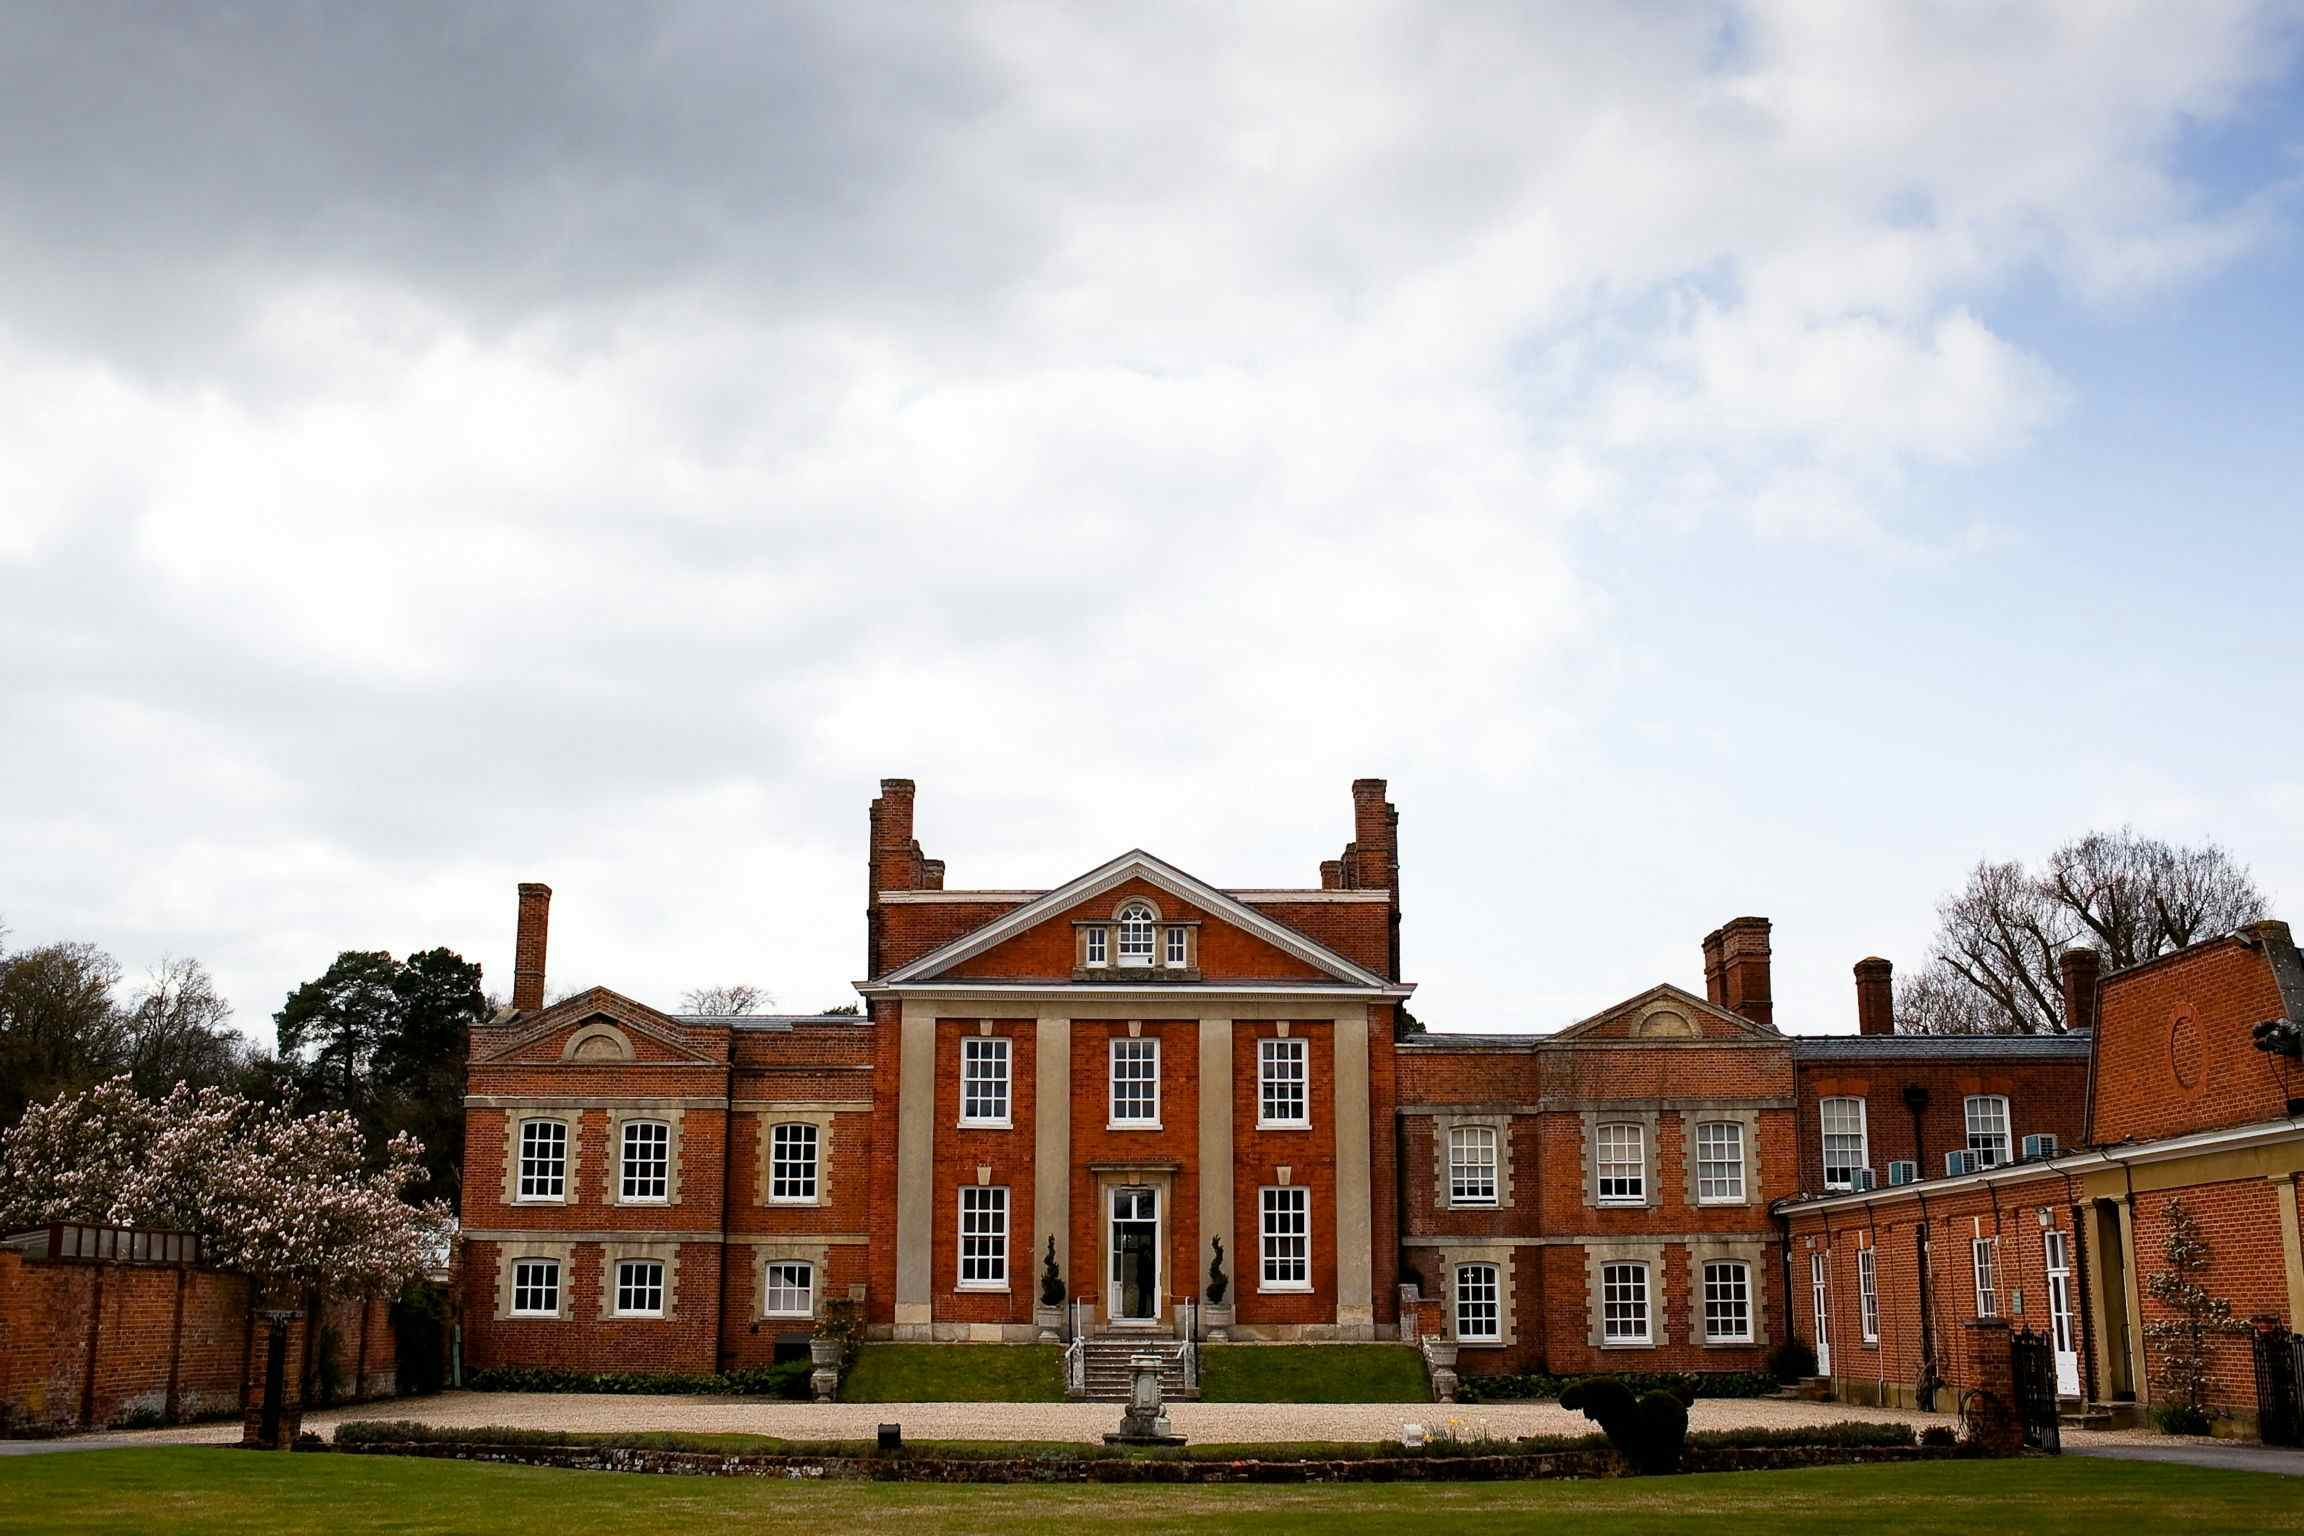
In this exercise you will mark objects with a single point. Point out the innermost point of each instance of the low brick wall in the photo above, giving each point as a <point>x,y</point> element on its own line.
<point>915,1468</point>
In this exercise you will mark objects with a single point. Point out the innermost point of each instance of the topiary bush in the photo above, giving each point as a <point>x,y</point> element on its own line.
<point>1939,1434</point>
<point>1791,1361</point>
<point>1649,1431</point>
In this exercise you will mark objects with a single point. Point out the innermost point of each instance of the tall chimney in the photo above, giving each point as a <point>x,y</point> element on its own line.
<point>1715,971</point>
<point>1875,996</point>
<point>1744,969</point>
<point>528,946</point>
<point>2080,967</point>
<point>1369,858</point>
<point>1331,874</point>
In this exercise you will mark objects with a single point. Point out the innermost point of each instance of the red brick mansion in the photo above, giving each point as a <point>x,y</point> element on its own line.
<point>1154,1079</point>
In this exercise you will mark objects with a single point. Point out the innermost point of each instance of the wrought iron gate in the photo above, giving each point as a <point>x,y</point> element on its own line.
<point>2279,1387</point>
<point>2032,1363</point>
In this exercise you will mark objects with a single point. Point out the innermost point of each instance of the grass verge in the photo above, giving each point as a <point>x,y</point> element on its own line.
<point>1312,1373</point>
<point>955,1373</point>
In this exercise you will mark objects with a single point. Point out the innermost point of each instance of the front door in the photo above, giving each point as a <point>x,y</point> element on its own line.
<point>2060,1313</point>
<point>1819,1272</point>
<point>1135,1297</point>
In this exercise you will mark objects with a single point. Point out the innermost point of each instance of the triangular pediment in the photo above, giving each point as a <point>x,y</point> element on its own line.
<point>546,1033</point>
<point>1134,868</point>
<point>1667,1014</point>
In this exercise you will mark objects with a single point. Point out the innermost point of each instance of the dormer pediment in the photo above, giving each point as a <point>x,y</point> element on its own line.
<point>1666,1015</point>
<point>595,1025</point>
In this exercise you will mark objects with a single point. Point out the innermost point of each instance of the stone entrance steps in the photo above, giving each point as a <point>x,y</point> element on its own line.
<point>1105,1360</point>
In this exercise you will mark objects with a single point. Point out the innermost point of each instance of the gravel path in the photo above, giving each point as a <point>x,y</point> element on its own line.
<point>1084,1422</point>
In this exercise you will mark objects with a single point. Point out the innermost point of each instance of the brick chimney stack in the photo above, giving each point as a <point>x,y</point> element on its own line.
<point>1371,860</point>
<point>1715,970</point>
<point>528,946</point>
<point>1875,996</point>
<point>2080,968</point>
<point>893,862</point>
<point>1744,985</point>
<point>1331,874</point>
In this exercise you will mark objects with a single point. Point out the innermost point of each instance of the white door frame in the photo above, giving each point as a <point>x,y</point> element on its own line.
<point>1820,1293</point>
<point>1112,1280</point>
<point>2063,1333</point>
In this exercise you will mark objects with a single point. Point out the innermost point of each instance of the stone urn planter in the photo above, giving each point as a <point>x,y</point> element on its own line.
<point>1440,1368</point>
<point>826,1354</point>
<point>1050,1322</point>
<point>1217,1323</point>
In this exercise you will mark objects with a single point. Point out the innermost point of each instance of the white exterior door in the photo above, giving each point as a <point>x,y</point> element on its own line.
<point>1819,1286</point>
<point>2059,1257</point>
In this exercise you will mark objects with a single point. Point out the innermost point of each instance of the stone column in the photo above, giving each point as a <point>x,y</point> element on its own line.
<point>2284,1194</point>
<point>1216,1209</point>
<point>1052,1144</point>
<point>1355,1216</point>
<point>915,1171</point>
<point>271,1382</point>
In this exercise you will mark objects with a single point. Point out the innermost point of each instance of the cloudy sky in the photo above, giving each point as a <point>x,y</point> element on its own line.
<point>1711,458</point>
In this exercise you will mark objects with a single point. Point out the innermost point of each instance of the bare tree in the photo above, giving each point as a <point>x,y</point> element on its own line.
<point>1993,968</point>
<point>736,997</point>
<point>60,1029</point>
<point>179,1031</point>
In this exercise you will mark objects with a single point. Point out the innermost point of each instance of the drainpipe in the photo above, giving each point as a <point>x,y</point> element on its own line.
<point>1924,1261</point>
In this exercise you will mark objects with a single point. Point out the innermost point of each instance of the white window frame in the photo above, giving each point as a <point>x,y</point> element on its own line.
<point>987,1081</point>
<point>1132,944</point>
<point>1137,1049</point>
<point>1983,1254</point>
<point>1868,1294</point>
<point>1726,1180</point>
<point>1862,1134</point>
<point>770,1290</point>
<point>1474,1162</point>
<point>1176,946</point>
<point>1283,1265</point>
<point>1096,946</point>
<point>799,1178</point>
<point>1626,1298</point>
<point>656,1188</point>
<point>1727,1299</point>
<point>1602,1162</point>
<point>1992,1148</point>
<point>530,1188</point>
<point>1274,1054</point>
<point>1478,1295</point>
<point>534,1275</point>
<point>984,1237</point>
<point>631,1280</point>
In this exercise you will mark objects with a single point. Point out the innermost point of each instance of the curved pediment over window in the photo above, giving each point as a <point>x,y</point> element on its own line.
<point>599,1041</point>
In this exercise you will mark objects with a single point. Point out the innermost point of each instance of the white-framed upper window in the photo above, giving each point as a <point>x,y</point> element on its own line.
<point>535,1287</point>
<point>1988,1128</point>
<point>1624,1304</point>
<point>1868,1294</point>
<point>646,1163</point>
<point>1472,1165</point>
<point>1284,1233</point>
<point>985,1079</point>
<point>1623,1164</point>
<point>1985,1252</point>
<point>793,1149</point>
<point>640,1288</point>
<point>1136,923</point>
<point>788,1289</point>
<point>1720,1162</point>
<point>1136,1081</point>
<point>1727,1302</point>
<point>1479,1314</point>
<point>1844,1141</point>
<point>1177,940</point>
<point>1095,946</point>
<point>543,1160</point>
<point>983,1237</point>
<point>1282,1094</point>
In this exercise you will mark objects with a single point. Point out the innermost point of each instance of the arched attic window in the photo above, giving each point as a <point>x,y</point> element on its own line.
<point>1136,923</point>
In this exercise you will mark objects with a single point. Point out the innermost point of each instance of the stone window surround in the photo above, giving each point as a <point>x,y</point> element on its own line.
<point>799,1251</point>
<point>666,1110</point>
<point>1752,1254</point>
<point>1706,1113</point>
<point>509,1253</point>
<point>1644,1116</point>
<point>1443,1185</point>
<point>517,1115</point>
<point>1599,1254</point>
<point>1474,1252</point>
<point>764,1163</point>
<point>1161,927</point>
<point>614,1253</point>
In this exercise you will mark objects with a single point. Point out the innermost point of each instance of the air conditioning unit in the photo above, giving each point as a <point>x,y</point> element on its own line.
<point>1861,1178</point>
<point>2039,1147</point>
<point>1903,1172</point>
<point>1960,1162</point>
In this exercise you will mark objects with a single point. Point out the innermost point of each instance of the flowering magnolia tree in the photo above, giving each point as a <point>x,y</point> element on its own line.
<point>2194,1318</point>
<point>279,1196</point>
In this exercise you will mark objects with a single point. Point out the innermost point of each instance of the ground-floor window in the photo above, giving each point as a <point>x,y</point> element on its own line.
<point>1728,1303</point>
<point>1987,1277</point>
<point>983,1237</point>
<point>536,1288</point>
<point>640,1288</point>
<point>790,1290</point>
<point>1868,1294</point>
<point>1286,1232</point>
<point>1479,1318</point>
<point>1624,1304</point>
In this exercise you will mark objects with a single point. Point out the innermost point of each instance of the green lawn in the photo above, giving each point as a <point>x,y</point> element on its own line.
<point>203,1491</point>
<point>1312,1373</point>
<point>955,1373</point>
